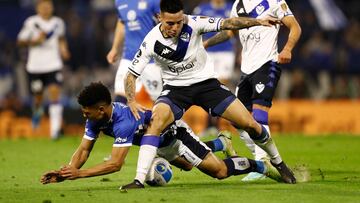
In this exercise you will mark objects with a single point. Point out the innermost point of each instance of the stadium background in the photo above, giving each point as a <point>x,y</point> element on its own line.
<point>318,94</point>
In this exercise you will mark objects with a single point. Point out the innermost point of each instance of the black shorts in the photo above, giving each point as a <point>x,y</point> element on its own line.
<point>39,81</point>
<point>211,95</point>
<point>259,87</point>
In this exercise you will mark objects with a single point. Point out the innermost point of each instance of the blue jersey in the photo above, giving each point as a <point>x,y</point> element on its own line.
<point>124,128</point>
<point>139,17</point>
<point>207,9</point>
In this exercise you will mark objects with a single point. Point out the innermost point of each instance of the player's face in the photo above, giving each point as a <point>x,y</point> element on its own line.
<point>93,113</point>
<point>171,23</point>
<point>45,9</point>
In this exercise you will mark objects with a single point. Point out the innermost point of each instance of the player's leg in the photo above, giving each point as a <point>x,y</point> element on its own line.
<point>36,89</point>
<point>162,117</point>
<point>244,92</point>
<point>222,143</point>
<point>53,82</point>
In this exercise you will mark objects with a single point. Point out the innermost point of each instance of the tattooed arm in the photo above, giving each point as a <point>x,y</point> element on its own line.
<point>237,23</point>
<point>130,85</point>
<point>219,37</point>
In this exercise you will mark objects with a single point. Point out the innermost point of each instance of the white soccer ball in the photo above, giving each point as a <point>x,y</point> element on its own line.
<point>160,172</point>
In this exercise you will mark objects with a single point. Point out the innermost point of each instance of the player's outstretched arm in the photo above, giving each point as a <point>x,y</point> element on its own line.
<point>118,155</point>
<point>237,23</point>
<point>219,37</point>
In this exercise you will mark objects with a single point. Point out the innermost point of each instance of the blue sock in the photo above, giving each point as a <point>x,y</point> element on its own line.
<point>260,167</point>
<point>218,145</point>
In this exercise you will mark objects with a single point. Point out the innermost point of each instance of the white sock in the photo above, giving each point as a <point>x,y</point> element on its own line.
<point>260,153</point>
<point>146,156</point>
<point>248,141</point>
<point>269,148</point>
<point>55,113</point>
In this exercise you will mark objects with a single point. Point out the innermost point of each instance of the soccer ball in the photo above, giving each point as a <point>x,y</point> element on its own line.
<point>160,172</point>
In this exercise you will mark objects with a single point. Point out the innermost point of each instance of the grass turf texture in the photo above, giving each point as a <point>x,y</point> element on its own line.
<point>333,161</point>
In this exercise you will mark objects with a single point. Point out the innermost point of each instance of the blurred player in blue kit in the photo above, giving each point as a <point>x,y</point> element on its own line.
<point>136,19</point>
<point>178,144</point>
<point>44,35</point>
<point>261,61</point>
<point>189,79</point>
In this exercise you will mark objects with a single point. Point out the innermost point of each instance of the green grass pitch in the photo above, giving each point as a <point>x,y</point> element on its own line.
<point>333,163</point>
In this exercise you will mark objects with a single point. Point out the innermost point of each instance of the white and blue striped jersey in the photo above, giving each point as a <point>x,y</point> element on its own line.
<point>207,9</point>
<point>139,18</point>
<point>183,60</point>
<point>259,43</point>
<point>45,57</point>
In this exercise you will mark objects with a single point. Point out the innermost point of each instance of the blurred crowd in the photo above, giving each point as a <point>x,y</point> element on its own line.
<point>326,61</point>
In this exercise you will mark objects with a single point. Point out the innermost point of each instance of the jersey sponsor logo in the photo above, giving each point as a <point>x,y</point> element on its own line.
<point>259,87</point>
<point>132,23</point>
<point>122,6</point>
<point>252,36</point>
<point>180,69</point>
<point>121,140</point>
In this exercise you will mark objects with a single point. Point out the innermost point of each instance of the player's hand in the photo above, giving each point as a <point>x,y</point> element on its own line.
<point>69,173</point>
<point>269,21</point>
<point>51,177</point>
<point>112,56</point>
<point>39,40</point>
<point>284,56</point>
<point>135,108</point>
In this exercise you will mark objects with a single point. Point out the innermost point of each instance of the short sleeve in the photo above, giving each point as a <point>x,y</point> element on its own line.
<point>90,132</point>
<point>205,24</point>
<point>26,31</point>
<point>62,28</point>
<point>281,9</point>
<point>141,58</point>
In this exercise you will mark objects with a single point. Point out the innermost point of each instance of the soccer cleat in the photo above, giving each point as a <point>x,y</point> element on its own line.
<point>286,174</point>
<point>253,176</point>
<point>133,185</point>
<point>225,137</point>
<point>36,117</point>
<point>271,171</point>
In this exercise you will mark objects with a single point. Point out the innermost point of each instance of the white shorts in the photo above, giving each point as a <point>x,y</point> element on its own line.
<point>186,145</point>
<point>224,63</point>
<point>150,78</point>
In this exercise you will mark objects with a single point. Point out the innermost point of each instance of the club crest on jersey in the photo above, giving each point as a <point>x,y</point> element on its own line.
<point>185,36</point>
<point>260,9</point>
<point>259,87</point>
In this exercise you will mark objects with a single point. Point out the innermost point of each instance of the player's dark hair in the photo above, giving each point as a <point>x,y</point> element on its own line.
<point>171,6</point>
<point>93,94</point>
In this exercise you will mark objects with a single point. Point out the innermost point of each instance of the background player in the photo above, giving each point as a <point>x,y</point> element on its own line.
<point>136,19</point>
<point>44,35</point>
<point>260,66</point>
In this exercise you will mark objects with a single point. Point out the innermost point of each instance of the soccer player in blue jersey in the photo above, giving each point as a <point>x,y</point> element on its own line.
<point>178,144</point>
<point>189,79</point>
<point>136,19</point>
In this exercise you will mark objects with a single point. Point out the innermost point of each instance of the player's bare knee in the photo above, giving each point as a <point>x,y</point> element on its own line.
<point>221,173</point>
